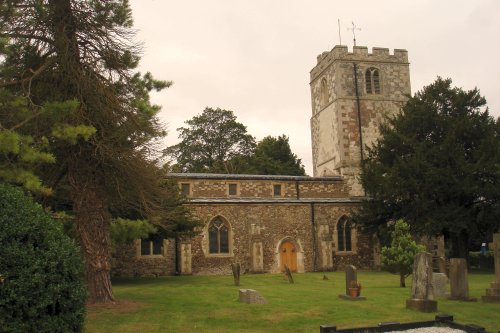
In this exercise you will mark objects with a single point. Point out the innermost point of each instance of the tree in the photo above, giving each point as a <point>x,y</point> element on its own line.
<point>41,284</point>
<point>398,258</point>
<point>273,156</point>
<point>211,140</point>
<point>436,165</point>
<point>80,53</point>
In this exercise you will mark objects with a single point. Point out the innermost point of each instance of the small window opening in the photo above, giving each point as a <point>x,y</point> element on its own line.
<point>186,189</point>
<point>277,190</point>
<point>233,189</point>
<point>151,246</point>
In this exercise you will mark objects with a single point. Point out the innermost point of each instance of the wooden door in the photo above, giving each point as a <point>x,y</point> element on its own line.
<point>288,256</point>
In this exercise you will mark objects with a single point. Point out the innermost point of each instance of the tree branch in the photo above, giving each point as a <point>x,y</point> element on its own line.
<point>35,74</point>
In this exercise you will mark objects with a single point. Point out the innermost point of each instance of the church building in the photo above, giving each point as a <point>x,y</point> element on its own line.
<point>266,222</point>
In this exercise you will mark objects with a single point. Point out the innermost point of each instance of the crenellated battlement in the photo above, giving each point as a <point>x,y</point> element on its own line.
<point>358,54</point>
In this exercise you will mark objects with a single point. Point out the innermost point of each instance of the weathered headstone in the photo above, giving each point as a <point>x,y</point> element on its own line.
<point>440,283</point>
<point>459,283</point>
<point>288,274</point>
<point>493,293</point>
<point>441,262</point>
<point>236,268</point>
<point>251,296</point>
<point>422,291</point>
<point>351,274</point>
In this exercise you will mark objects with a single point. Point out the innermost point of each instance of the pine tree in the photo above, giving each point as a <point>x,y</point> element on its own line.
<point>55,52</point>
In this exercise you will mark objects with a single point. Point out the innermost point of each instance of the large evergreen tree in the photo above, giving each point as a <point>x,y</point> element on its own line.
<point>437,166</point>
<point>80,54</point>
<point>273,156</point>
<point>211,140</point>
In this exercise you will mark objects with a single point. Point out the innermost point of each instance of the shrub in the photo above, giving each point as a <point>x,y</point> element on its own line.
<point>42,286</point>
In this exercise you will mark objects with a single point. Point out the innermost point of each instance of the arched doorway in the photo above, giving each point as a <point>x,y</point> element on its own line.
<point>288,256</point>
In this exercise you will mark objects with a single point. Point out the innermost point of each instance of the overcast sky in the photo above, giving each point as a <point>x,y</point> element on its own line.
<point>254,56</point>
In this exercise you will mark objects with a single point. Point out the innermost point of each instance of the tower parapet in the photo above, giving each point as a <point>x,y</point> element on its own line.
<point>359,53</point>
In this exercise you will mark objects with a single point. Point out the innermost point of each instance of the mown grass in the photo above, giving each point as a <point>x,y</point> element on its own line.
<point>210,304</point>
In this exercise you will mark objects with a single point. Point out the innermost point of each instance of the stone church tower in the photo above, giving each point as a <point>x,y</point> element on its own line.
<point>353,93</point>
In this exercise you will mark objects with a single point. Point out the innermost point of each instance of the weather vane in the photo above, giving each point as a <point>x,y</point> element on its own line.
<point>354,28</point>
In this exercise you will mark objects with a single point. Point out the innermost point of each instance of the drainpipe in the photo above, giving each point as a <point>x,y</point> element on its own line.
<point>313,229</point>
<point>297,190</point>
<point>177,268</point>
<point>359,112</point>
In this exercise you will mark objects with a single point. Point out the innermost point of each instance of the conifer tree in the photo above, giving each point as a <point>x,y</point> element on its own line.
<point>80,54</point>
<point>398,258</point>
<point>437,166</point>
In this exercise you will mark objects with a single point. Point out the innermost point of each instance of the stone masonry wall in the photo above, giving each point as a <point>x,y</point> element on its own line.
<point>127,261</point>
<point>255,188</point>
<point>258,226</point>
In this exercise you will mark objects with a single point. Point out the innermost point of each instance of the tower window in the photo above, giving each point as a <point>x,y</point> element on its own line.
<point>218,237</point>
<point>323,93</point>
<point>372,81</point>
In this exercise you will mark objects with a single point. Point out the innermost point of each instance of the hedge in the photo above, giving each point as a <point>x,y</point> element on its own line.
<point>41,272</point>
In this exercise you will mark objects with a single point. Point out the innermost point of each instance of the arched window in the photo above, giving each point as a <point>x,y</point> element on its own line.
<point>372,81</point>
<point>344,235</point>
<point>323,93</point>
<point>218,236</point>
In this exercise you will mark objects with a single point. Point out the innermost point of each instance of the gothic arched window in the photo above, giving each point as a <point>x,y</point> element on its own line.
<point>372,81</point>
<point>344,235</point>
<point>323,93</point>
<point>218,236</point>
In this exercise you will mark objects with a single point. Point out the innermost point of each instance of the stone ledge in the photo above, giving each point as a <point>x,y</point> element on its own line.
<point>349,298</point>
<point>491,299</point>
<point>421,305</point>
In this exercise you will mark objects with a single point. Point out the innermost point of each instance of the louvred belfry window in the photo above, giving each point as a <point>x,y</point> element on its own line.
<point>372,81</point>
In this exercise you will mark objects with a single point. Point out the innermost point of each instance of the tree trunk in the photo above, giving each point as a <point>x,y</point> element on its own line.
<point>402,282</point>
<point>93,223</point>
<point>460,245</point>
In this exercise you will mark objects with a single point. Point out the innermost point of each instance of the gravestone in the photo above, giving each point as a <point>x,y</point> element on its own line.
<point>441,263</point>
<point>351,274</point>
<point>251,296</point>
<point>236,268</point>
<point>288,274</point>
<point>440,283</point>
<point>493,293</point>
<point>459,283</point>
<point>422,291</point>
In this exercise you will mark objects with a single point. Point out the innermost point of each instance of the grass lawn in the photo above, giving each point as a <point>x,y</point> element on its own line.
<point>210,304</point>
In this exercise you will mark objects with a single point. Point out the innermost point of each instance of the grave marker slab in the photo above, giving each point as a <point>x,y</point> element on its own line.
<point>440,283</point>
<point>351,274</point>
<point>459,283</point>
<point>493,293</point>
<point>422,291</point>
<point>251,296</point>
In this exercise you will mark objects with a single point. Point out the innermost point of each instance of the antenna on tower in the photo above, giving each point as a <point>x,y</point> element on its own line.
<point>354,28</point>
<point>340,37</point>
